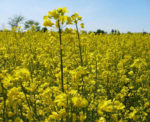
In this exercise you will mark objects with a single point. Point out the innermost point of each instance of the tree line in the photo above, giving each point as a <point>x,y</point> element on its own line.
<point>17,20</point>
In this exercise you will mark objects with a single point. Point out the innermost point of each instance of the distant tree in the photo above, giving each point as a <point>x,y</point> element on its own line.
<point>100,31</point>
<point>145,33</point>
<point>31,23</point>
<point>89,32</point>
<point>16,20</point>
<point>44,29</point>
<point>129,32</point>
<point>84,32</point>
<point>113,31</point>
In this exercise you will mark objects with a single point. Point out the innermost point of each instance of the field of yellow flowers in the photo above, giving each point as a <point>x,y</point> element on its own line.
<point>113,84</point>
<point>106,78</point>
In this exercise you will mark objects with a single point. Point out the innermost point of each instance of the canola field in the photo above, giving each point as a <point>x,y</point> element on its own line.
<point>113,83</point>
<point>106,77</point>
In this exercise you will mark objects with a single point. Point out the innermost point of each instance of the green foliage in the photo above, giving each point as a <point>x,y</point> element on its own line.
<point>16,20</point>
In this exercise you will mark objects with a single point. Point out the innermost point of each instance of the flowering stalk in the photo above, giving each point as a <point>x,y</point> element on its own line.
<point>76,18</point>
<point>61,57</point>
<point>81,59</point>
<point>60,19</point>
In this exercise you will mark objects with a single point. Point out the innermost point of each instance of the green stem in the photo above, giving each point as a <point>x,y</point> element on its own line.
<point>81,58</point>
<point>61,57</point>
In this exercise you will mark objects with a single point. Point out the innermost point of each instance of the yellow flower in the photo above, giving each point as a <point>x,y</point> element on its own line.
<point>102,119</point>
<point>82,25</point>
<point>61,100</point>
<point>83,103</point>
<point>80,102</point>
<point>69,20</point>
<point>75,15</point>
<point>22,74</point>
<point>10,114</point>
<point>79,18</point>
<point>18,120</point>
<point>64,10</point>
<point>82,117</point>
<point>131,73</point>
<point>30,114</point>
<point>59,9</point>
<point>54,14</point>
<point>54,116</point>
<point>63,19</point>
<point>45,17</point>
<point>74,117</point>
<point>62,112</point>
<point>109,106</point>
<point>47,23</point>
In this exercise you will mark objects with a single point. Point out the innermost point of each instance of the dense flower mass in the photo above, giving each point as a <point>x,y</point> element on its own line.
<point>99,78</point>
<point>112,84</point>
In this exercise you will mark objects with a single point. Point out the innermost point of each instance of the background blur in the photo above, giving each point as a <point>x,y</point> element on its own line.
<point>123,15</point>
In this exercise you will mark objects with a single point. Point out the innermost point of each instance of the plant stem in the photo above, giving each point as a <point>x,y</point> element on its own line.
<point>81,59</point>
<point>61,57</point>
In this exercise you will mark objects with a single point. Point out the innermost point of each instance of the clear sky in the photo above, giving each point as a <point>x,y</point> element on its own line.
<point>124,15</point>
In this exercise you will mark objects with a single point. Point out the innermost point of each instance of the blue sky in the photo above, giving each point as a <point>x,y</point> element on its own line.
<point>124,15</point>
